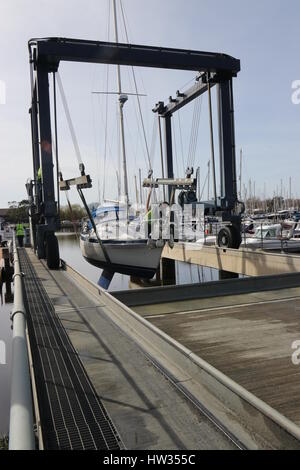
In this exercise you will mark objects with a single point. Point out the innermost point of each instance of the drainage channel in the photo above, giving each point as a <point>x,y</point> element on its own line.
<point>72,415</point>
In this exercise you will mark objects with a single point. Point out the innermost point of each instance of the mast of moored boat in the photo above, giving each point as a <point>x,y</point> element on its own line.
<point>122,101</point>
<point>136,191</point>
<point>241,156</point>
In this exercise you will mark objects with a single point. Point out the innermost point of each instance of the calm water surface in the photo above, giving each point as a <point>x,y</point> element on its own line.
<point>70,252</point>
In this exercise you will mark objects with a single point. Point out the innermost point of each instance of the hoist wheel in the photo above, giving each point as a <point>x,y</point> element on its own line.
<point>229,237</point>
<point>52,251</point>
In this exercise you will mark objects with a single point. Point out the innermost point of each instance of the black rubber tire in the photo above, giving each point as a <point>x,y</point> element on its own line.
<point>229,237</point>
<point>52,251</point>
<point>237,237</point>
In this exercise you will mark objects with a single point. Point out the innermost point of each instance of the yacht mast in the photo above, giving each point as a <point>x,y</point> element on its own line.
<point>122,101</point>
<point>241,156</point>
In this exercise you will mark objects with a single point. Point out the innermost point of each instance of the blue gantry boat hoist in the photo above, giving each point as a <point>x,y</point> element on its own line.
<point>213,69</point>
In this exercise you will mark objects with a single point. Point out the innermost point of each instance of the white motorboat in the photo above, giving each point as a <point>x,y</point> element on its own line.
<point>275,237</point>
<point>272,238</point>
<point>296,230</point>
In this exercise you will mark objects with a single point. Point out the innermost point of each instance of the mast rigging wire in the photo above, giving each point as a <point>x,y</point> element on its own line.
<point>205,181</point>
<point>69,120</point>
<point>194,132</point>
<point>58,168</point>
<point>77,152</point>
<point>181,141</point>
<point>161,153</point>
<point>106,110</point>
<point>97,152</point>
<point>56,143</point>
<point>211,129</point>
<point>175,150</point>
<point>153,141</point>
<point>136,90</point>
<point>105,135</point>
<point>139,132</point>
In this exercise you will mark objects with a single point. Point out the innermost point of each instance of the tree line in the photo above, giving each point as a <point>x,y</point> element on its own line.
<point>73,213</point>
<point>18,212</point>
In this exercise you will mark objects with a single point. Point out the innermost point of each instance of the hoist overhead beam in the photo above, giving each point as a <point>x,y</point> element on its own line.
<point>53,50</point>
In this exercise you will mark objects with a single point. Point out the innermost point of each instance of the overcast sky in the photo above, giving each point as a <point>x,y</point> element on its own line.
<point>263,34</point>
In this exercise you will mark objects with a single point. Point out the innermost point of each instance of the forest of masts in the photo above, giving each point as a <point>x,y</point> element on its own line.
<point>281,199</point>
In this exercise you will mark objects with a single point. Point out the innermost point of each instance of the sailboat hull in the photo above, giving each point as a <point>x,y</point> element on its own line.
<point>134,258</point>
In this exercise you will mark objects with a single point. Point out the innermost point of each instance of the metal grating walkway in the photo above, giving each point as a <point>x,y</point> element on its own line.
<point>72,414</point>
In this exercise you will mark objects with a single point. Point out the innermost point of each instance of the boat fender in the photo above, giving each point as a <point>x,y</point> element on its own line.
<point>151,243</point>
<point>171,243</point>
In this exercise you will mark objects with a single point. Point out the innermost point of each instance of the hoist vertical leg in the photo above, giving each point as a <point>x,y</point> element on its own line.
<point>230,235</point>
<point>169,272</point>
<point>227,145</point>
<point>46,239</point>
<point>168,150</point>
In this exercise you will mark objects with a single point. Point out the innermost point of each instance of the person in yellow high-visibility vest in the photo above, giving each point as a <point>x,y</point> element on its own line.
<point>20,233</point>
<point>39,174</point>
<point>39,185</point>
<point>148,219</point>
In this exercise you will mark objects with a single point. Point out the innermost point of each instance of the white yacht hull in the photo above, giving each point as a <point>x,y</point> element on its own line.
<point>131,257</point>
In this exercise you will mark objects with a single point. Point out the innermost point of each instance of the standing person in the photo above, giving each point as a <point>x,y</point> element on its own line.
<point>39,185</point>
<point>20,233</point>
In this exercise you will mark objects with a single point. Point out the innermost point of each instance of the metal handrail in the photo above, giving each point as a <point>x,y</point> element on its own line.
<point>21,431</point>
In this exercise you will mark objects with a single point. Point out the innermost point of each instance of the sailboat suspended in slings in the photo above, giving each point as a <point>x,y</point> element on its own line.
<point>111,240</point>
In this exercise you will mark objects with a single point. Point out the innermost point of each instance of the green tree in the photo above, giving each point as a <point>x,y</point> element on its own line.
<point>4,443</point>
<point>18,212</point>
<point>75,213</point>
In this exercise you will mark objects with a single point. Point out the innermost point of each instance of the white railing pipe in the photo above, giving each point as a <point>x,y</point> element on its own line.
<point>21,431</point>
